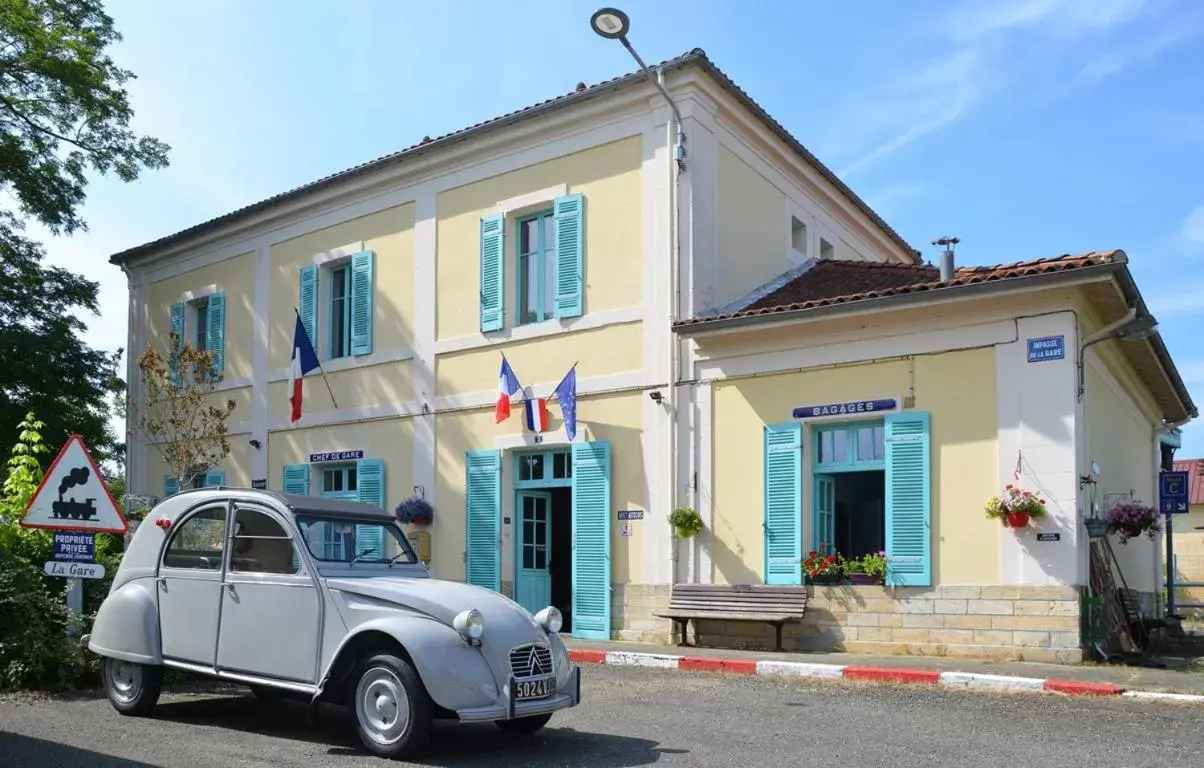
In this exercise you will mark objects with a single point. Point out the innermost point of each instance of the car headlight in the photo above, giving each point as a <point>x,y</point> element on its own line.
<point>550,619</point>
<point>470,624</point>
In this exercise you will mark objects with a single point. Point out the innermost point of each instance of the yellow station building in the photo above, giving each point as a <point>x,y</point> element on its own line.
<point>749,339</point>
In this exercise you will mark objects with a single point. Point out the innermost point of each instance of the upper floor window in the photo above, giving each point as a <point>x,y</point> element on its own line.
<point>340,311</point>
<point>200,313</point>
<point>201,322</point>
<point>536,260</point>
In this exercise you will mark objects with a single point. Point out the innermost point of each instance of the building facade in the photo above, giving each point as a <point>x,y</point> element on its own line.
<point>698,305</point>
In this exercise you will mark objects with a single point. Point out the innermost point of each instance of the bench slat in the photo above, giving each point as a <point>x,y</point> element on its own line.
<point>722,616</point>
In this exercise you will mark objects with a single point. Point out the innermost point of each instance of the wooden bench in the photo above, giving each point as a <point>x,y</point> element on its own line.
<point>736,602</point>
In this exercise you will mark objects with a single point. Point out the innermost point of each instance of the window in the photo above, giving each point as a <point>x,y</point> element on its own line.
<point>798,237</point>
<point>261,545</point>
<point>826,250</point>
<point>200,313</point>
<point>340,482</point>
<point>536,274</point>
<point>341,540</point>
<point>851,445</point>
<point>546,465</point>
<point>340,311</point>
<point>197,542</point>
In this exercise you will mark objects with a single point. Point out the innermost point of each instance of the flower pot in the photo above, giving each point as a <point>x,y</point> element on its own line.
<point>864,579</point>
<point>1018,519</point>
<point>825,579</point>
<point>1097,528</point>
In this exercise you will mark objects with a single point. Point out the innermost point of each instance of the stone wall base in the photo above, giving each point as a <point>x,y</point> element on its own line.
<point>1024,623</point>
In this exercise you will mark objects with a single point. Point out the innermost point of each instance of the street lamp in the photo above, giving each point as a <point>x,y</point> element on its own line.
<point>613,24</point>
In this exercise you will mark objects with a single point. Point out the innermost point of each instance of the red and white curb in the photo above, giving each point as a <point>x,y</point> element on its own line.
<point>798,669</point>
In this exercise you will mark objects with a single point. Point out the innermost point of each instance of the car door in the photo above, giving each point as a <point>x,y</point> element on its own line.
<point>270,604</point>
<point>189,584</point>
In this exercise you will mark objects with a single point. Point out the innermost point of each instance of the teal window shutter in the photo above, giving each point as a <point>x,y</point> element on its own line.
<point>591,541</point>
<point>569,211</point>
<point>215,477</point>
<point>177,328</point>
<point>370,482</point>
<point>783,503</point>
<point>363,285</point>
<point>908,500</point>
<point>171,486</point>
<point>309,302</point>
<point>493,272</point>
<point>483,513</point>
<point>216,332</point>
<point>296,479</point>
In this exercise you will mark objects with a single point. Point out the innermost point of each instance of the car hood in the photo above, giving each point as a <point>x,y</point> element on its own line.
<point>443,600</point>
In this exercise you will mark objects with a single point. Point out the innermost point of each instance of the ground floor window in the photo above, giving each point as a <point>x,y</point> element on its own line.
<point>871,487</point>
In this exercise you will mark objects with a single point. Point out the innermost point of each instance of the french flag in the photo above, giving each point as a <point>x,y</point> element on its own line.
<point>537,414</point>
<point>304,360</point>
<point>507,385</point>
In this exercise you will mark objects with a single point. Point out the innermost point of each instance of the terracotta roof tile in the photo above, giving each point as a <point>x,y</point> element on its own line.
<point>840,282</point>
<point>1195,478</point>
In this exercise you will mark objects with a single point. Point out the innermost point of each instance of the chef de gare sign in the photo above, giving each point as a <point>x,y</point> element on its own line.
<point>848,407</point>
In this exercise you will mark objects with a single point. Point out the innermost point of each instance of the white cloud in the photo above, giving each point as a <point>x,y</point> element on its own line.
<point>1193,226</point>
<point>1057,17</point>
<point>1185,303</point>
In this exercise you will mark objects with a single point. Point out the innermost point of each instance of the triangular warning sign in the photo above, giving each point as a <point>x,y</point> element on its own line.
<point>73,496</point>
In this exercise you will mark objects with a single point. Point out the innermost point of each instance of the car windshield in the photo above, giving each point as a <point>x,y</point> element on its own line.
<point>342,540</point>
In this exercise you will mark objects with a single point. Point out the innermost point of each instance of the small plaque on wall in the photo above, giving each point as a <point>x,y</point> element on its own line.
<point>1049,537</point>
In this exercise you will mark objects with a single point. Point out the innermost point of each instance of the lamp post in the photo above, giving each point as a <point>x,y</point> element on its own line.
<point>613,24</point>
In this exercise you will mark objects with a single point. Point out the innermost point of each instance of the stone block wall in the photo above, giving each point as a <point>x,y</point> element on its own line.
<point>1032,623</point>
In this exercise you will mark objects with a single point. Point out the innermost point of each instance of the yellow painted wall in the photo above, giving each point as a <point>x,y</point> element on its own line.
<point>389,439</point>
<point>753,229</point>
<point>1121,442</point>
<point>237,466</point>
<point>609,177</point>
<point>357,388</point>
<point>956,388</point>
<point>234,277</point>
<point>598,352</point>
<point>390,235</point>
<point>615,418</point>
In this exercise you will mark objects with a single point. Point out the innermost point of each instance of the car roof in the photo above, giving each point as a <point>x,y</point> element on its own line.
<point>291,502</point>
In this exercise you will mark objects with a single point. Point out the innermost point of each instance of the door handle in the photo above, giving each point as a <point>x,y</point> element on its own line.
<point>162,581</point>
<point>229,586</point>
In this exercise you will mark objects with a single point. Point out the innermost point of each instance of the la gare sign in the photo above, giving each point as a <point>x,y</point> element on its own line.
<point>847,408</point>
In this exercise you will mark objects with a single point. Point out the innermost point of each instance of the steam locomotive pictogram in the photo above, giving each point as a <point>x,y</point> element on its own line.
<point>73,509</point>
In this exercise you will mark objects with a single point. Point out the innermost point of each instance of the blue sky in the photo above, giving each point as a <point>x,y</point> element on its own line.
<point>1028,128</point>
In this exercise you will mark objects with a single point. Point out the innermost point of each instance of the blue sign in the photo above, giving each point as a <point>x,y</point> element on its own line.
<point>1046,348</point>
<point>74,547</point>
<point>319,458</point>
<point>852,407</point>
<point>1172,493</point>
<point>631,514</point>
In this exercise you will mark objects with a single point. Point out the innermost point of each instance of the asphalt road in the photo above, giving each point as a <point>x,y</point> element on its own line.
<point>635,717</point>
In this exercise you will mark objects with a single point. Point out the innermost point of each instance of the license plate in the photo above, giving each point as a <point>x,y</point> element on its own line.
<point>534,689</point>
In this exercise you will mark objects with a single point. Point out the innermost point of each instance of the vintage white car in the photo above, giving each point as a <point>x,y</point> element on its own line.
<point>325,600</point>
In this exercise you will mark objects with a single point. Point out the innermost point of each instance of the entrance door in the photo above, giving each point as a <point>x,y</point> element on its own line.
<point>825,513</point>
<point>190,583</point>
<point>270,607</point>
<point>533,580</point>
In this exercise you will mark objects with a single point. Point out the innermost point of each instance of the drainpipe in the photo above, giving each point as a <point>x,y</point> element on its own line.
<point>675,130</point>
<point>1102,334</point>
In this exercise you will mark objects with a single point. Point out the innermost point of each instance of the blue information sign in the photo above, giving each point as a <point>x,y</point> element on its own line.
<point>74,547</point>
<point>1172,493</point>
<point>321,458</point>
<point>841,409</point>
<point>1046,348</point>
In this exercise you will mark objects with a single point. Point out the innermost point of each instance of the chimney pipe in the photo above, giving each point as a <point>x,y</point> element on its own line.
<point>948,265</point>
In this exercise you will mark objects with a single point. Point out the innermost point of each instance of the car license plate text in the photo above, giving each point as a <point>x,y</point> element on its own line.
<point>533,689</point>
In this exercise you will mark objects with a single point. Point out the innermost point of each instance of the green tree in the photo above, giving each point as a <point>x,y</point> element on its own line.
<point>64,113</point>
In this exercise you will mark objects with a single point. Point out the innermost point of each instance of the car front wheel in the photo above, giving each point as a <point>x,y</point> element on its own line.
<point>133,689</point>
<point>393,712</point>
<point>524,725</point>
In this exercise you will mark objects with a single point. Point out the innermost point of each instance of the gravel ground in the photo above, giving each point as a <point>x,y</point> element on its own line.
<point>635,717</point>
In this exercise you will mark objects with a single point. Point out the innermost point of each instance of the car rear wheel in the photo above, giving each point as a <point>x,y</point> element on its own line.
<point>524,725</point>
<point>133,689</point>
<point>393,712</point>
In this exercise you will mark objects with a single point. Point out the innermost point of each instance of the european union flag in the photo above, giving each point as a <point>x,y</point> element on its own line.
<point>566,395</point>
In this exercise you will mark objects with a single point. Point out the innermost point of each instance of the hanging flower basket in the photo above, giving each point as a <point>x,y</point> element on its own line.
<point>685,522</point>
<point>1131,519</point>
<point>1015,507</point>
<point>416,511</point>
<point>1097,527</point>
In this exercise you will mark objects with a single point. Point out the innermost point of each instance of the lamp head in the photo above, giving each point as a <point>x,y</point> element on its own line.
<point>610,23</point>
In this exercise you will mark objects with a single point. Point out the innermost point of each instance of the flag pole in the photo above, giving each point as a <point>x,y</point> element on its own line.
<point>566,375</point>
<point>320,370</point>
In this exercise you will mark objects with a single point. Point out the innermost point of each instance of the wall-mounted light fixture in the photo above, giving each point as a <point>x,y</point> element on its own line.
<point>255,443</point>
<point>656,396</point>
